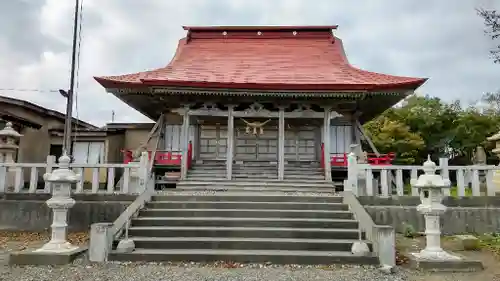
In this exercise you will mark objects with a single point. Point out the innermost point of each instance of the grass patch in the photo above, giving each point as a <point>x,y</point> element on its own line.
<point>491,241</point>
<point>454,192</point>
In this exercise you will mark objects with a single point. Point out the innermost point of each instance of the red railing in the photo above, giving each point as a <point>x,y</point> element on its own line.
<point>340,159</point>
<point>164,158</point>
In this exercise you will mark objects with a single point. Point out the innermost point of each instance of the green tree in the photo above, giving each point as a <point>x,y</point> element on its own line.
<point>444,128</point>
<point>492,24</point>
<point>490,103</point>
<point>394,136</point>
<point>472,127</point>
<point>429,117</point>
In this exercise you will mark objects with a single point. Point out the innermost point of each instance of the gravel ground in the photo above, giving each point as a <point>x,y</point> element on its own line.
<point>82,270</point>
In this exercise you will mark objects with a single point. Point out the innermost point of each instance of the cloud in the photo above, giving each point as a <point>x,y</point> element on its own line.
<point>442,40</point>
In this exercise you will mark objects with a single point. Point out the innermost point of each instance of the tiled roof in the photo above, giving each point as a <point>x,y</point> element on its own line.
<point>278,58</point>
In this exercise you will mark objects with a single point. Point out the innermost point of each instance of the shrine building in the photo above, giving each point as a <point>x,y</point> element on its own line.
<point>258,95</point>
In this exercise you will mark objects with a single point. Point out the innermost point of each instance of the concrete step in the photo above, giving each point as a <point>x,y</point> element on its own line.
<point>241,243</point>
<point>253,256</point>
<point>225,205</point>
<point>245,222</point>
<point>254,170</point>
<point>256,182</point>
<point>286,177</point>
<point>266,198</point>
<point>270,167</point>
<point>256,176</point>
<point>207,171</point>
<point>245,232</point>
<point>256,189</point>
<point>246,213</point>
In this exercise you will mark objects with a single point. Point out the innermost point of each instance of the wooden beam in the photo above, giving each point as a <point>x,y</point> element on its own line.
<point>263,114</point>
<point>367,138</point>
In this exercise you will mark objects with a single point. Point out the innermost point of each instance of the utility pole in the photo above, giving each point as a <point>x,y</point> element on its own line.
<point>69,93</point>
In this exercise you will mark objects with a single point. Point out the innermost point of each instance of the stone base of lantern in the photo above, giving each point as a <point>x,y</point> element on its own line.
<point>34,257</point>
<point>443,262</point>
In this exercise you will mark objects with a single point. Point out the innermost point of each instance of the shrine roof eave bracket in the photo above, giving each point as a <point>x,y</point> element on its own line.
<point>154,83</point>
<point>153,101</point>
<point>235,93</point>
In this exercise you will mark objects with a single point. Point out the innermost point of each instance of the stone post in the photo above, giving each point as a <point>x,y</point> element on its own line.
<point>61,180</point>
<point>351,184</point>
<point>430,188</point>
<point>100,242</point>
<point>496,174</point>
<point>138,176</point>
<point>8,150</point>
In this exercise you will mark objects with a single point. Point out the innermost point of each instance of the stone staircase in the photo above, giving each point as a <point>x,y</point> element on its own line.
<point>245,227</point>
<point>252,218</point>
<point>255,227</point>
<point>258,176</point>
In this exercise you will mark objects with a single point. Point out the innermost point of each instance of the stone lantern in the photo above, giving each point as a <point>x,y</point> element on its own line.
<point>495,138</point>
<point>61,181</point>
<point>8,146</point>
<point>430,188</point>
<point>8,149</point>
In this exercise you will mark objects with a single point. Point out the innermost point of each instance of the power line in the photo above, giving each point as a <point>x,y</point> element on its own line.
<point>28,90</point>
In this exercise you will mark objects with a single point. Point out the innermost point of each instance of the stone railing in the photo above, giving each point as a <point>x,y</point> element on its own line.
<point>394,180</point>
<point>382,236</point>
<point>94,178</point>
<point>102,235</point>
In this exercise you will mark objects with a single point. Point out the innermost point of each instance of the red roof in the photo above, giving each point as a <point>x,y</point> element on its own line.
<point>265,58</point>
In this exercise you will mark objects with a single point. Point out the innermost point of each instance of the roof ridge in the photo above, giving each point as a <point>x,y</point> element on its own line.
<point>261,27</point>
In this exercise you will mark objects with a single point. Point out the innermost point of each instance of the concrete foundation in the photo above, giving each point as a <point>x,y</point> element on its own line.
<point>29,212</point>
<point>464,215</point>
<point>30,257</point>
<point>463,265</point>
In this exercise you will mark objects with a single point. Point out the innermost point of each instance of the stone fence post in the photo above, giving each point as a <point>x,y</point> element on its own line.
<point>445,173</point>
<point>351,184</point>
<point>100,242</point>
<point>138,176</point>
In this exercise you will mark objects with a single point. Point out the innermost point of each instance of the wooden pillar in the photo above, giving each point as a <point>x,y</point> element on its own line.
<point>230,144</point>
<point>162,133</point>
<point>185,142</point>
<point>355,135</point>
<point>326,144</point>
<point>281,143</point>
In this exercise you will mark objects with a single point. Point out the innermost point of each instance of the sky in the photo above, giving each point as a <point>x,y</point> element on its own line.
<point>443,40</point>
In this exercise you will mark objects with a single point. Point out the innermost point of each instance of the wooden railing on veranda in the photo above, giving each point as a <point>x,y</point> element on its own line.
<point>340,159</point>
<point>171,158</point>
